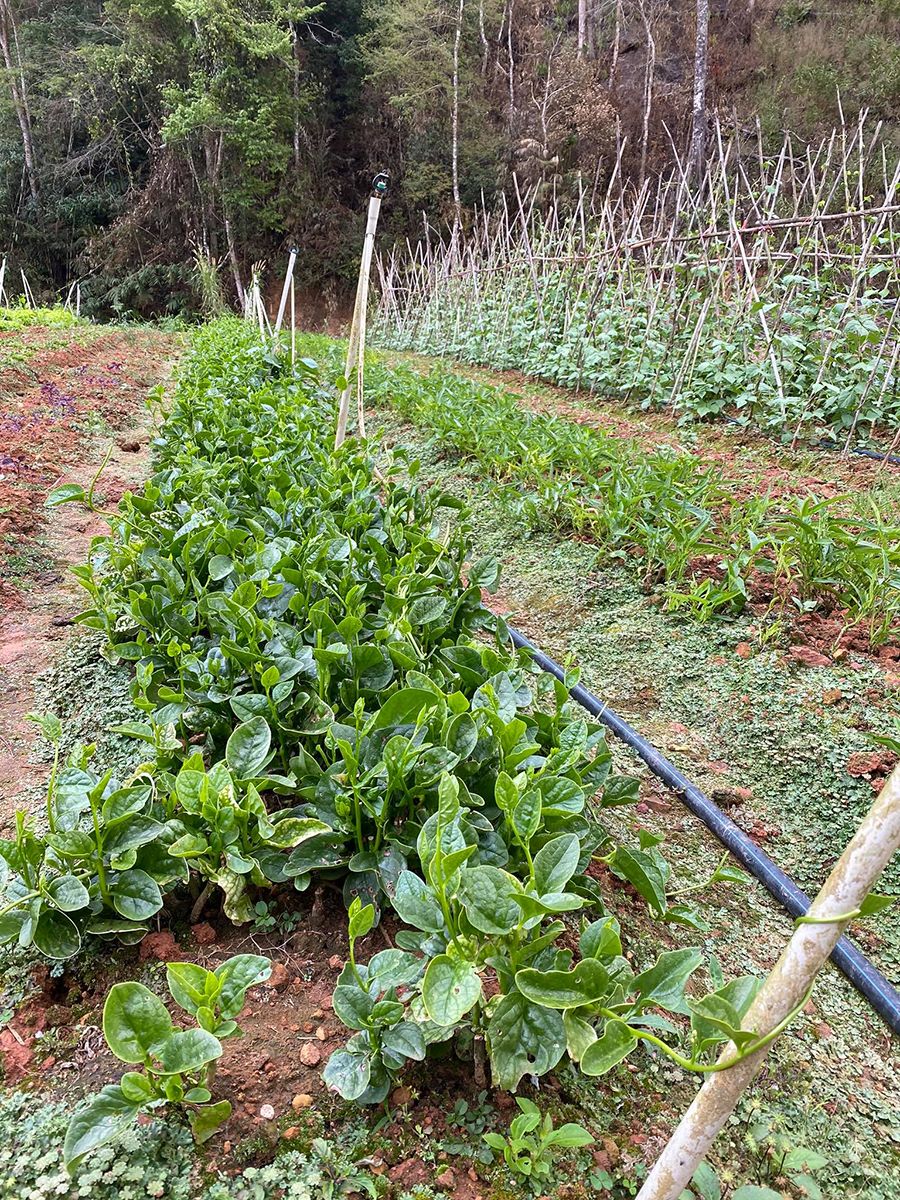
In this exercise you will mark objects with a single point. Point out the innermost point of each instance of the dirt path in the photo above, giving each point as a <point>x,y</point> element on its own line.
<point>85,396</point>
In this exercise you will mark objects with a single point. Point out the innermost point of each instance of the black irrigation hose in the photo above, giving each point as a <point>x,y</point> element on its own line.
<point>889,458</point>
<point>867,980</point>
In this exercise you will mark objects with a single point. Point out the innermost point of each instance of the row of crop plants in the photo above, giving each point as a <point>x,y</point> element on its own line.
<point>664,512</point>
<point>323,695</point>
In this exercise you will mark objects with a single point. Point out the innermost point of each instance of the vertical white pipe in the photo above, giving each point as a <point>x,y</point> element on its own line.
<point>847,886</point>
<point>362,291</point>
<point>288,281</point>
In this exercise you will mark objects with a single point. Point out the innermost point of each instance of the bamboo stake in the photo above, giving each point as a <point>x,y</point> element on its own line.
<point>854,876</point>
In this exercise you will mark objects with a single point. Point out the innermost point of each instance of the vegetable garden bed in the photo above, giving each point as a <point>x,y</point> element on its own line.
<point>326,715</point>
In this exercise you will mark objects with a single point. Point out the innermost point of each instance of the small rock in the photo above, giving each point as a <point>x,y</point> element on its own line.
<point>807,657</point>
<point>227,1147</point>
<point>310,1055</point>
<point>743,649</point>
<point>204,934</point>
<point>446,1179</point>
<point>280,977</point>
<point>401,1096</point>
<point>130,447</point>
<point>335,962</point>
<point>727,796</point>
<point>267,1112</point>
<point>291,1133</point>
<point>321,1034</point>
<point>301,1101</point>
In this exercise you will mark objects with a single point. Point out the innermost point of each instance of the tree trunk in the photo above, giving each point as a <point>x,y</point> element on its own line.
<point>454,148</point>
<point>649,68</point>
<point>9,42</point>
<point>697,156</point>
<point>582,25</point>
<point>617,40</point>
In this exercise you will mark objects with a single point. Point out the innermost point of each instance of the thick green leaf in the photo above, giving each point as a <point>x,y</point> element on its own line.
<point>587,983</point>
<point>247,749</point>
<point>487,895</point>
<point>348,1074</point>
<point>663,983</point>
<point>68,893</point>
<point>236,975</point>
<point>187,1050</point>
<point>56,935</point>
<point>416,904</point>
<point>616,1042</point>
<point>101,1120</point>
<point>523,1038</point>
<point>135,1022</point>
<point>189,984</point>
<point>136,895</point>
<point>449,990</point>
<point>555,863</point>
<point>209,1119</point>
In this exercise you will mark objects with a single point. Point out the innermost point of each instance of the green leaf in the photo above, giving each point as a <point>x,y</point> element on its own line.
<point>187,1050</point>
<point>416,904</point>
<point>68,893</point>
<point>361,919</point>
<point>136,1087</point>
<point>523,1039</point>
<point>579,1035</point>
<point>247,750</point>
<point>66,494</point>
<point>487,895</point>
<point>188,984</point>
<point>347,1074</point>
<point>56,935</point>
<point>555,863</point>
<point>135,1022</point>
<point>136,895</point>
<point>571,1135</point>
<point>209,1119</point>
<point>615,1044</point>
<point>663,983</point>
<point>237,975</point>
<point>449,990</point>
<point>220,566</point>
<point>601,939</point>
<point>750,1191</point>
<point>644,873</point>
<point>101,1120</point>
<point>705,1182</point>
<point>587,983</point>
<point>291,831</point>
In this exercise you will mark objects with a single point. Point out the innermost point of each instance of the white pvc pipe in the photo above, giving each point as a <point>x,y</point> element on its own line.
<point>356,346</point>
<point>288,280</point>
<point>854,876</point>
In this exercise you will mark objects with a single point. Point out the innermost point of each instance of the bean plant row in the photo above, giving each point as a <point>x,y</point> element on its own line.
<point>322,697</point>
<point>768,295</point>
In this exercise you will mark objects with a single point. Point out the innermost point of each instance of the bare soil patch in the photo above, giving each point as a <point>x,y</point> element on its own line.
<point>58,426</point>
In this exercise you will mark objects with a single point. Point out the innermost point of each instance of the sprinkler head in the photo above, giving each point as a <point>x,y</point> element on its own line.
<point>380,184</point>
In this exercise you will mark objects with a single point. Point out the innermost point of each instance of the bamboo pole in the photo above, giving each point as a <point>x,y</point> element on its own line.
<point>859,867</point>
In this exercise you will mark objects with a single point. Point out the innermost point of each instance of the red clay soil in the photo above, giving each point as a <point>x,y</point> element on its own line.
<point>50,423</point>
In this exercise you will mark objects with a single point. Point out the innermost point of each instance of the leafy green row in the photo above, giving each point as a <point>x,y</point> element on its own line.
<point>323,694</point>
<point>663,511</point>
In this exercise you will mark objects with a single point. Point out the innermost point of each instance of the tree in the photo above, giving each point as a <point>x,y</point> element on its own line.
<point>697,155</point>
